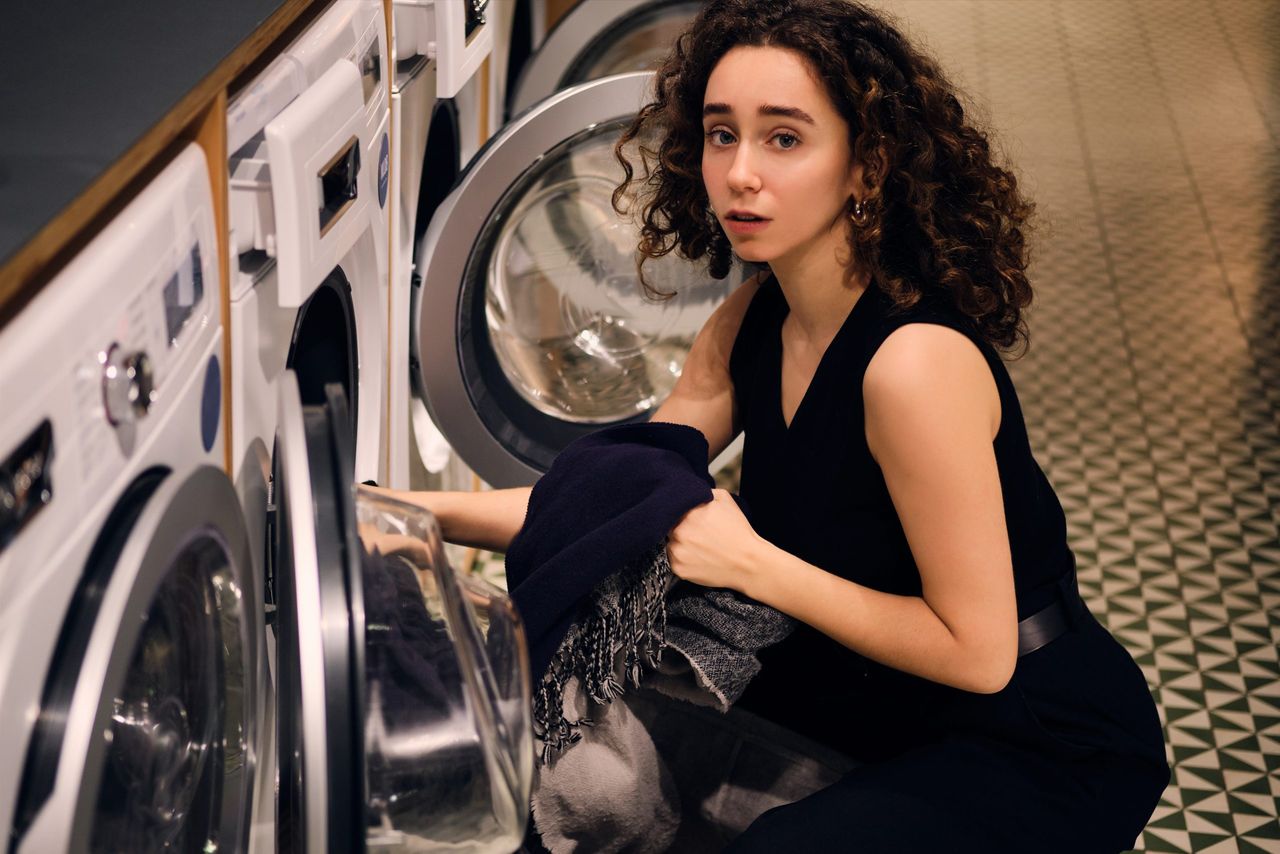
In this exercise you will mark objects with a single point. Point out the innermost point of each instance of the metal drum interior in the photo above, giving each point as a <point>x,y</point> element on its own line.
<point>448,738</point>
<point>554,275</point>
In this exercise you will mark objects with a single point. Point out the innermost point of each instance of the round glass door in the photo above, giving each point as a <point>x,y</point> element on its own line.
<point>531,327</point>
<point>563,308</point>
<point>146,739</point>
<point>178,737</point>
<point>404,689</point>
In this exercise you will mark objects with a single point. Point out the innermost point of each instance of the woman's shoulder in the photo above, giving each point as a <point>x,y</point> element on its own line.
<point>728,316</point>
<point>707,363</point>
<point>726,323</point>
<point>930,363</point>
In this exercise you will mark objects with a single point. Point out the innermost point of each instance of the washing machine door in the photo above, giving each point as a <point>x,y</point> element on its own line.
<point>403,690</point>
<point>147,734</point>
<point>531,328</point>
<point>598,38</point>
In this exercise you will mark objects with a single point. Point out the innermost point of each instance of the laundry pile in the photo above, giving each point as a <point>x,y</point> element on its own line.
<point>605,615</point>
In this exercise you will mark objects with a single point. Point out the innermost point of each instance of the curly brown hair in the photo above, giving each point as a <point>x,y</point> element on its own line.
<point>940,215</point>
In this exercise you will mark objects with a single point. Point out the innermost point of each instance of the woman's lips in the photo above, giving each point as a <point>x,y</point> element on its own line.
<point>748,226</point>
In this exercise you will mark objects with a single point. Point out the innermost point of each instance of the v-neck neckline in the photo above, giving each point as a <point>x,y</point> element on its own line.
<point>787,428</point>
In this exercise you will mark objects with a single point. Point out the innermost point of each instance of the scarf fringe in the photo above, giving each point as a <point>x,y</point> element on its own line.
<point>628,614</point>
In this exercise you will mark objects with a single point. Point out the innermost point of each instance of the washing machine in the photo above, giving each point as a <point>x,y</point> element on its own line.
<point>431,76</point>
<point>458,37</point>
<point>530,325</point>
<point>310,202</point>
<point>597,38</point>
<point>130,666</point>
<point>403,688</point>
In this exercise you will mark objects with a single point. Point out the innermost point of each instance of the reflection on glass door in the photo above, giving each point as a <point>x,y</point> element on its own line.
<point>178,737</point>
<point>567,318</point>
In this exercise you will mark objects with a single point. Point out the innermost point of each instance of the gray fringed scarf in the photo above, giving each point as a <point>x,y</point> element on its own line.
<point>631,618</point>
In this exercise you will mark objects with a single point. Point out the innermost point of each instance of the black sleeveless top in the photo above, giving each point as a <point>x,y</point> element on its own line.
<point>814,490</point>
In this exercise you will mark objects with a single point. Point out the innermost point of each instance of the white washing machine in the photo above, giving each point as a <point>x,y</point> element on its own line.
<point>457,36</point>
<point>427,159</point>
<point>531,328</point>
<point>130,625</point>
<point>597,38</point>
<point>310,210</point>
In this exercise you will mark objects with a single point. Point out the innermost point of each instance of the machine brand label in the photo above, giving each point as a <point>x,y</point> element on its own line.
<point>384,171</point>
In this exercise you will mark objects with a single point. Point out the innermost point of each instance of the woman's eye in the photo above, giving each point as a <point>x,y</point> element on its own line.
<point>720,136</point>
<point>787,140</point>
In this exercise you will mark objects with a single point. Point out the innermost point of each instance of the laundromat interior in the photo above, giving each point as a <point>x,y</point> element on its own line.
<point>203,385</point>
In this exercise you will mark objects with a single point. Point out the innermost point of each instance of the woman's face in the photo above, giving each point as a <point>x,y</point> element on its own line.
<point>776,149</point>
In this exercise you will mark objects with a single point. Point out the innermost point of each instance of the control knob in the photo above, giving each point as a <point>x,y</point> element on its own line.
<point>128,385</point>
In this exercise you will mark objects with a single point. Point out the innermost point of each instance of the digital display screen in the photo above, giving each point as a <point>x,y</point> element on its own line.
<point>182,294</point>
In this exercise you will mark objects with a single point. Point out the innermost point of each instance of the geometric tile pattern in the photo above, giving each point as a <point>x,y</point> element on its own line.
<point>1152,389</point>
<point>1148,133</point>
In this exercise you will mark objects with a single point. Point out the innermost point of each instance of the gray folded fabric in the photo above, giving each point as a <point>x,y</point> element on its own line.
<point>602,785</point>
<point>719,633</point>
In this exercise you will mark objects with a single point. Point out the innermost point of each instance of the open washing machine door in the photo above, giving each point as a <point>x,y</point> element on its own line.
<point>147,738</point>
<point>598,38</point>
<point>403,689</point>
<point>531,328</point>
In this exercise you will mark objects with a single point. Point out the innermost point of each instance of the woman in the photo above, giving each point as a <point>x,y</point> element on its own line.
<point>898,512</point>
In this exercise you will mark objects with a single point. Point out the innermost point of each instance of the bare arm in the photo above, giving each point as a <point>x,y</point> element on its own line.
<point>488,519</point>
<point>702,398</point>
<point>932,411</point>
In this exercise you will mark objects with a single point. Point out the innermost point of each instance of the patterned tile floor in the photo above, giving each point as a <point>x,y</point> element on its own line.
<point>1149,135</point>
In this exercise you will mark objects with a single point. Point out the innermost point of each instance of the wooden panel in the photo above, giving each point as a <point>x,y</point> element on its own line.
<point>485,130</point>
<point>27,270</point>
<point>556,10</point>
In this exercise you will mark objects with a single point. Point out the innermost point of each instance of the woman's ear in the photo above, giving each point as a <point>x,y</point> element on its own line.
<point>857,189</point>
<point>866,177</point>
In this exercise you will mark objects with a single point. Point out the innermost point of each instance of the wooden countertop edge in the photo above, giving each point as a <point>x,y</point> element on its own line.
<point>38,260</point>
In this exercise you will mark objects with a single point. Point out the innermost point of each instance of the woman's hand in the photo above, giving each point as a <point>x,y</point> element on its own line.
<point>714,545</point>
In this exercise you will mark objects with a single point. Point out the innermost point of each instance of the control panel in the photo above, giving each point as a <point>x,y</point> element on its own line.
<point>455,33</point>
<point>25,485</point>
<point>119,380</point>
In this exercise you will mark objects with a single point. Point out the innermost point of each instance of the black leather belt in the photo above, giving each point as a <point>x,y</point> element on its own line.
<point>1051,621</point>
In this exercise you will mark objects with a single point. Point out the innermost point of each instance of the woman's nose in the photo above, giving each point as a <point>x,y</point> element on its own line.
<point>743,176</point>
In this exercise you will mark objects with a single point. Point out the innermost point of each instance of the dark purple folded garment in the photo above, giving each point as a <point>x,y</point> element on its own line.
<point>607,500</point>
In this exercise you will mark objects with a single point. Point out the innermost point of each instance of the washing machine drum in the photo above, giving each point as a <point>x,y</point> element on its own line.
<point>404,688</point>
<point>533,328</point>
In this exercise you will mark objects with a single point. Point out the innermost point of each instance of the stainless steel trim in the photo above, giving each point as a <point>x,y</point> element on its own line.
<point>449,241</point>
<point>294,497</point>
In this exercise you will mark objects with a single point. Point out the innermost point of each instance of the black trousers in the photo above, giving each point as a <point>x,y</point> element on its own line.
<point>965,795</point>
<point>1068,758</point>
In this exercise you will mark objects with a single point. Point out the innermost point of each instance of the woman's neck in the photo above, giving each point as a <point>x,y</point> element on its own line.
<point>820,286</point>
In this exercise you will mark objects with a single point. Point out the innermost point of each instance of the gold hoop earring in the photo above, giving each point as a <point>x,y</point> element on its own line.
<point>860,213</point>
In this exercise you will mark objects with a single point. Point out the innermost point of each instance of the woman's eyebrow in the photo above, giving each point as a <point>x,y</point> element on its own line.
<point>716,108</point>
<point>789,112</point>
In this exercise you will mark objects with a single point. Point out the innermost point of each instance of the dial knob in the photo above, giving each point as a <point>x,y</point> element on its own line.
<point>128,385</point>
